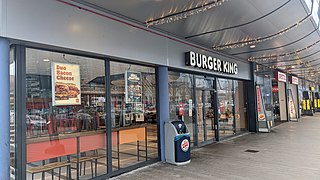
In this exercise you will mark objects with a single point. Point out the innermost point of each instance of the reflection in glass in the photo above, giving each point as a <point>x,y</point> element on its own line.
<point>181,103</point>
<point>12,114</point>
<point>133,118</point>
<point>226,107</point>
<point>265,82</point>
<point>205,110</point>
<point>67,141</point>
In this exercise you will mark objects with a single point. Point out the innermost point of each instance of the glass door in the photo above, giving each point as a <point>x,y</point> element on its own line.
<point>209,114</point>
<point>200,116</point>
<point>205,116</point>
<point>226,108</point>
<point>204,104</point>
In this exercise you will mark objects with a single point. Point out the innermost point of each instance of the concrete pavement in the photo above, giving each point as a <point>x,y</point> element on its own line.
<point>290,152</point>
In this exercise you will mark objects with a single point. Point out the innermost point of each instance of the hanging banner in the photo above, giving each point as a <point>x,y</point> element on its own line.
<point>65,84</point>
<point>262,121</point>
<point>133,85</point>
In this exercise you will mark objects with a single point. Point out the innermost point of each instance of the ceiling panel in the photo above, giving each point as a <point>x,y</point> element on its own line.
<point>279,14</point>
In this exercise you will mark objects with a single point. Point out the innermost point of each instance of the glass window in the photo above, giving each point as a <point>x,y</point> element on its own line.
<point>180,93</point>
<point>226,107</point>
<point>133,114</point>
<point>240,107</point>
<point>12,113</point>
<point>65,117</point>
<point>267,89</point>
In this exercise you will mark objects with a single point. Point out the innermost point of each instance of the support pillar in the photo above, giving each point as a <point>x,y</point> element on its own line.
<point>4,109</point>
<point>252,100</point>
<point>162,106</point>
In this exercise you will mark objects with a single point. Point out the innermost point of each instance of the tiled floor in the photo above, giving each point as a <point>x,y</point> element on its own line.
<point>290,151</point>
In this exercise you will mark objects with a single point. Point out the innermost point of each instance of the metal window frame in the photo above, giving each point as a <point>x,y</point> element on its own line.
<point>20,106</point>
<point>20,111</point>
<point>247,84</point>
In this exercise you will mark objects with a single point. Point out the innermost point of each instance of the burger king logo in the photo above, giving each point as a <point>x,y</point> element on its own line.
<point>185,145</point>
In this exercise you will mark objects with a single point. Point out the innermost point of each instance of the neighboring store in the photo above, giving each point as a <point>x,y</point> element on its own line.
<point>280,97</point>
<point>293,94</point>
<point>264,76</point>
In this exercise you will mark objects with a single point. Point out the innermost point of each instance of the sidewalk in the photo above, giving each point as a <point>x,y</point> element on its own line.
<point>291,151</point>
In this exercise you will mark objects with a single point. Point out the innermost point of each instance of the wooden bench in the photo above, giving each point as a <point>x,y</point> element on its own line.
<point>91,159</point>
<point>50,167</point>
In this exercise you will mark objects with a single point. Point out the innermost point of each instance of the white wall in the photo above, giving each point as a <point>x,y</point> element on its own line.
<point>54,23</point>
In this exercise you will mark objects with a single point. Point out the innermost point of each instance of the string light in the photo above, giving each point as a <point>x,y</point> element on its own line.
<point>277,56</point>
<point>249,41</point>
<point>165,19</point>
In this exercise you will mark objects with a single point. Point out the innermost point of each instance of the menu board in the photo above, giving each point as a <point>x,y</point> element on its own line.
<point>65,84</point>
<point>133,87</point>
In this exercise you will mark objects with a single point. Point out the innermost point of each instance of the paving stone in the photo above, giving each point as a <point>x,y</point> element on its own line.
<point>290,152</point>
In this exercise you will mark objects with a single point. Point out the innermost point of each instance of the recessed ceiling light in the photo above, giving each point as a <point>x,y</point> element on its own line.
<point>252,46</point>
<point>293,66</point>
<point>46,60</point>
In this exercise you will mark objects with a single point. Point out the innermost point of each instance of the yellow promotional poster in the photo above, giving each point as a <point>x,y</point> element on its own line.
<point>318,102</point>
<point>65,84</point>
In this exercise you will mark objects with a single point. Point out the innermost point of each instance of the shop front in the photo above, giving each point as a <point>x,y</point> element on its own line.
<point>213,107</point>
<point>264,76</point>
<point>92,102</point>
<point>280,97</point>
<point>84,116</point>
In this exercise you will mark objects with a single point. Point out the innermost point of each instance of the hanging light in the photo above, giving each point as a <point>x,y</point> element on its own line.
<point>172,17</point>
<point>249,41</point>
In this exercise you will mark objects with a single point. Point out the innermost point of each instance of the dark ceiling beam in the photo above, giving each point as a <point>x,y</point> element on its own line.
<point>240,25</point>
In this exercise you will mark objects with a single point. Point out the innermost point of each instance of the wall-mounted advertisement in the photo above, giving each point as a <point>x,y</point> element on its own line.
<point>65,84</point>
<point>263,124</point>
<point>292,108</point>
<point>133,87</point>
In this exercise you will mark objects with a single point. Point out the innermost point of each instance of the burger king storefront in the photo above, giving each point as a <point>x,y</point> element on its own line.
<point>214,106</point>
<point>92,104</point>
<point>86,116</point>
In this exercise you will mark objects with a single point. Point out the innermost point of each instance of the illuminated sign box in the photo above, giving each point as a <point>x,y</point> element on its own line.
<point>201,61</point>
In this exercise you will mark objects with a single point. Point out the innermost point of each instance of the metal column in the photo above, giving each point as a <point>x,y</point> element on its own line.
<point>162,106</point>
<point>252,100</point>
<point>4,109</point>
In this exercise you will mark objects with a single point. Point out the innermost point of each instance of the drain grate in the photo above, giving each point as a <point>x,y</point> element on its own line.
<point>251,151</point>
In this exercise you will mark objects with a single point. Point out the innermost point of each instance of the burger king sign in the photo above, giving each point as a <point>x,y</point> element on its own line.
<point>185,145</point>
